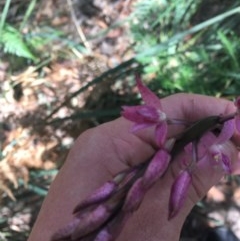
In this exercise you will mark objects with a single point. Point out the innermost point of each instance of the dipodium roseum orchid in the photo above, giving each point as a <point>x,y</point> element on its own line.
<point>217,148</point>
<point>149,114</point>
<point>103,214</point>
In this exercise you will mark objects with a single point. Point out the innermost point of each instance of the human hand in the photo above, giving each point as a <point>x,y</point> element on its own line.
<point>102,152</point>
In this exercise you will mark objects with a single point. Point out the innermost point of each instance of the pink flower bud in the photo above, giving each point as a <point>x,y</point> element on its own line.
<point>99,195</point>
<point>178,193</point>
<point>156,168</point>
<point>65,232</point>
<point>134,197</point>
<point>90,221</point>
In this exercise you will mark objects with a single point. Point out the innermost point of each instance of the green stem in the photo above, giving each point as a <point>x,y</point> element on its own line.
<point>194,133</point>
<point>106,75</point>
<point>28,13</point>
<point>197,130</point>
<point>4,15</point>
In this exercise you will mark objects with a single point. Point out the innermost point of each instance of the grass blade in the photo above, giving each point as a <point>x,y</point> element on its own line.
<point>4,15</point>
<point>28,13</point>
<point>181,36</point>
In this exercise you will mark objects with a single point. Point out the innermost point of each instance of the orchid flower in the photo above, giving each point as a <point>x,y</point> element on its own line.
<point>216,148</point>
<point>149,114</point>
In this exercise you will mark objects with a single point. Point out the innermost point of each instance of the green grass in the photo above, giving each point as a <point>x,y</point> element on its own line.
<point>182,57</point>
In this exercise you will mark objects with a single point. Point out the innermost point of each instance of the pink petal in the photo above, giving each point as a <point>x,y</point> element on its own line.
<point>148,96</point>
<point>156,168</point>
<point>134,197</point>
<point>161,133</point>
<point>138,127</point>
<point>208,139</point>
<point>226,132</point>
<point>179,193</point>
<point>226,163</point>
<point>140,114</point>
<point>149,113</point>
<point>131,113</point>
<point>237,122</point>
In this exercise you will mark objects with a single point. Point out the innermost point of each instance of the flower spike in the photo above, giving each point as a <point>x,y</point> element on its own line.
<point>103,214</point>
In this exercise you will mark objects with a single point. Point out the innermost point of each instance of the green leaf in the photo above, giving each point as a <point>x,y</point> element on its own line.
<point>13,43</point>
<point>228,45</point>
<point>179,37</point>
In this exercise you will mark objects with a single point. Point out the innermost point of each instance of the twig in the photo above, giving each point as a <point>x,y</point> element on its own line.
<point>96,80</point>
<point>86,115</point>
<point>78,28</point>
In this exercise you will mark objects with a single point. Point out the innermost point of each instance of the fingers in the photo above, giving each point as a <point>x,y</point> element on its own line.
<point>187,107</point>
<point>192,107</point>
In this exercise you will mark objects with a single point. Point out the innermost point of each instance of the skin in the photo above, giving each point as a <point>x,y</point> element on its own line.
<point>101,152</point>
